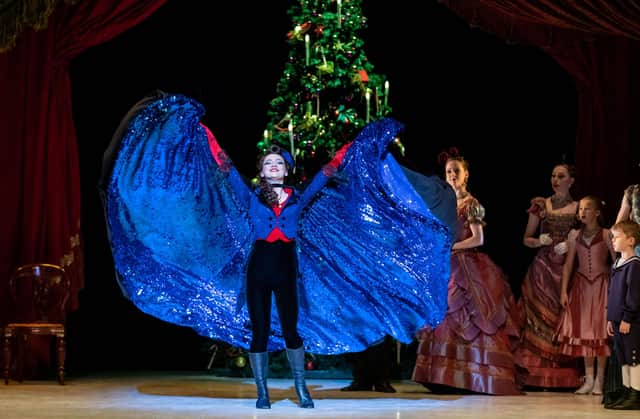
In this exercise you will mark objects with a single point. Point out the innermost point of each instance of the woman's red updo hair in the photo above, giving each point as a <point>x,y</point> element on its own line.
<point>445,155</point>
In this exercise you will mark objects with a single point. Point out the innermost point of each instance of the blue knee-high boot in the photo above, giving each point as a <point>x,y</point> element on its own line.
<point>260,365</point>
<point>296,361</point>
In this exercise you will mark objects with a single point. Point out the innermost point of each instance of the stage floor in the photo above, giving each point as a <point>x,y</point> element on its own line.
<point>200,395</point>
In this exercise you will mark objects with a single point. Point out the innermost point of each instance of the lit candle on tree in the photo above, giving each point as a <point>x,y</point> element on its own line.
<point>339,12</point>
<point>386,93</point>
<point>290,127</point>
<point>307,52</point>
<point>367,96</point>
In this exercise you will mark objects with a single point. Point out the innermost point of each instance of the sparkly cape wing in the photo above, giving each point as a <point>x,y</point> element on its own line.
<point>374,260</point>
<point>179,239</point>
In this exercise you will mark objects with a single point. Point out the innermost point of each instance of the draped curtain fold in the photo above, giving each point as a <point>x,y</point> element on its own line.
<point>612,17</point>
<point>596,42</point>
<point>40,215</point>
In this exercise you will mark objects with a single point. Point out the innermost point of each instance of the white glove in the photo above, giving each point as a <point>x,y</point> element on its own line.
<point>561,248</point>
<point>545,239</point>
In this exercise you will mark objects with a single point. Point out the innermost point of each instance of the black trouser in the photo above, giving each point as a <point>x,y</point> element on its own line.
<point>374,364</point>
<point>273,269</point>
<point>628,345</point>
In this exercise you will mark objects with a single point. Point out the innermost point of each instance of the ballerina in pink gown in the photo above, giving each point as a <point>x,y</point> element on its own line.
<point>540,362</point>
<point>472,348</point>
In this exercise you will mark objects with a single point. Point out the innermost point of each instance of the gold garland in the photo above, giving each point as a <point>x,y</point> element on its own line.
<point>16,15</point>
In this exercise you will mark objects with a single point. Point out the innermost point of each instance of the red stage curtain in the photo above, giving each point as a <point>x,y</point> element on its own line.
<point>609,17</point>
<point>596,42</point>
<point>40,212</point>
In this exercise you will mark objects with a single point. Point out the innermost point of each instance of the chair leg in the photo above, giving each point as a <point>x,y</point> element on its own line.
<point>7,357</point>
<point>20,344</point>
<point>61,348</point>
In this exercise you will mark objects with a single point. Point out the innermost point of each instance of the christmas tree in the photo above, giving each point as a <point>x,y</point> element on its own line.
<point>328,90</point>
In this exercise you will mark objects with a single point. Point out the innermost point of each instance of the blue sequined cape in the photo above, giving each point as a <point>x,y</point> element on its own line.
<point>373,259</point>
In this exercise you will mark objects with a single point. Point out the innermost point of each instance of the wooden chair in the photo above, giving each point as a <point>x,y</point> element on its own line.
<point>40,292</point>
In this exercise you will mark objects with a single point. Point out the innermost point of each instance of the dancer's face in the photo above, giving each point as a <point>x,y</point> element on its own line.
<point>274,168</point>
<point>587,211</point>
<point>456,174</point>
<point>619,240</point>
<point>561,180</point>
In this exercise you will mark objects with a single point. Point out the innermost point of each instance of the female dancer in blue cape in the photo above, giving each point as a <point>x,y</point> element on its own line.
<point>195,245</point>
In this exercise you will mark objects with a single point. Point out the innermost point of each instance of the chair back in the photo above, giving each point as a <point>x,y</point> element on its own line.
<point>40,292</point>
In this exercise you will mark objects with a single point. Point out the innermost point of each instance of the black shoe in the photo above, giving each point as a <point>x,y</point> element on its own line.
<point>384,387</point>
<point>614,397</point>
<point>357,386</point>
<point>631,402</point>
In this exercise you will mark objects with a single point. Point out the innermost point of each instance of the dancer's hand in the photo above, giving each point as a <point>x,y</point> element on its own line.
<point>564,298</point>
<point>625,327</point>
<point>609,328</point>
<point>561,248</point>
<point>545,239</point>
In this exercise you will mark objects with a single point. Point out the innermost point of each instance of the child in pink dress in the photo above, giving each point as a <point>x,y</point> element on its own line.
<point>582,331</point>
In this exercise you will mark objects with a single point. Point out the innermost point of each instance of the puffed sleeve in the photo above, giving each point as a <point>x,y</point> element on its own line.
<point>573,235</point>
<point>632,197</point>
<point>538,207</point>
<point>629,192</point>
<point>476,213</point>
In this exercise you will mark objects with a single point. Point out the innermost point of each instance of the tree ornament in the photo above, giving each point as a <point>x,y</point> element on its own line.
<point>364,77</point>
<point>326,67</point>
<point>240,362</point>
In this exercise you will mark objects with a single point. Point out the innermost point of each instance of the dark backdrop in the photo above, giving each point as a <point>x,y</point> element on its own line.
<point>510,109</point>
